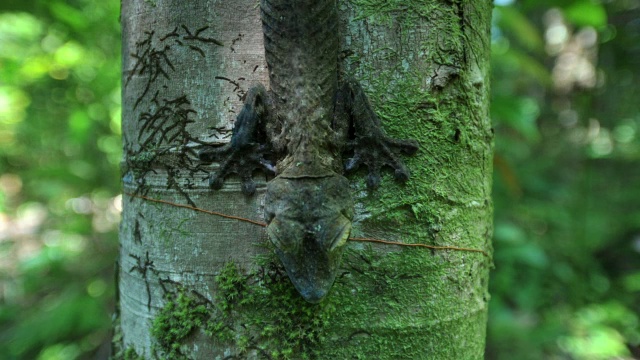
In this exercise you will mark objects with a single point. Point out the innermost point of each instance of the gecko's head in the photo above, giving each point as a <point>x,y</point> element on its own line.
<point>310,256</point>
<point>309,224</point>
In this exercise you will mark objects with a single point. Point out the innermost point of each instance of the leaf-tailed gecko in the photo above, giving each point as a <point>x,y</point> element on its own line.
<point>299,130</point>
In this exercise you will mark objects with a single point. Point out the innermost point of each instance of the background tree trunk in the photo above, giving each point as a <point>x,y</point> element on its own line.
<point>195,285</point>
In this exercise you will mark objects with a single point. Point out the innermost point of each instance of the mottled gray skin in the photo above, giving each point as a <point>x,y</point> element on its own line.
<point>298,130</point>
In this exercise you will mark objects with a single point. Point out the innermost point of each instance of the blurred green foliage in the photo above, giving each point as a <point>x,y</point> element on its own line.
<point>567,191</point>
<point>566,110</point>
<point>59,179</point>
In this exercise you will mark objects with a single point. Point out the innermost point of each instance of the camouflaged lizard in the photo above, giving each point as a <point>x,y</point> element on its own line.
<point>299,131</point>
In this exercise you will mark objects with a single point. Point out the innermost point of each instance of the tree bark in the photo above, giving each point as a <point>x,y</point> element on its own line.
<point>200,286</point>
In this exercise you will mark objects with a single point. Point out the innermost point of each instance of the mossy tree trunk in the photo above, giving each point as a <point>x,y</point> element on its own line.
<point>199,286</point>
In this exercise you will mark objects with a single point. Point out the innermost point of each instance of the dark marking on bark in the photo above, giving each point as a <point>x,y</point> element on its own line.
<point>234,41</point>
<point>137,236</point>
<point>241,93</point>
<point>167,124</point>
<point>199,38</point>
<point>143,267</point>
<point>151,58</point>
<point>173,184</point>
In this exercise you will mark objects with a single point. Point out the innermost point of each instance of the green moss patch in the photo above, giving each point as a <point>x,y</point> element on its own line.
<point>253,313</point>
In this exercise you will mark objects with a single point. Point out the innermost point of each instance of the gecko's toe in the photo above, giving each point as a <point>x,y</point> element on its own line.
<point>268,167</point>
<point>212,153</point>
<point>205,155</point>
<point>409,147</point>
<point>248,186</point>
<point>215,182</point>
<point>352,163</point>
<point>373,180</point>
<point>401,174</point>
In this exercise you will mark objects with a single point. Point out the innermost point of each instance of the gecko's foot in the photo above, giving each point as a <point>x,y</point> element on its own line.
<point>378,152</point>
<point>242,161</point>
<point>370,146</point>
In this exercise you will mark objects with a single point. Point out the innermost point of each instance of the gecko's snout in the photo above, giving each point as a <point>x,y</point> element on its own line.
<point>311,259</point>
<point>314,296</point>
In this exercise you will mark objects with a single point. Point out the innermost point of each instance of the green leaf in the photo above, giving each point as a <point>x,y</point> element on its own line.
<point>519,28</point>
<point>586,13</point>
<point>69,15</point>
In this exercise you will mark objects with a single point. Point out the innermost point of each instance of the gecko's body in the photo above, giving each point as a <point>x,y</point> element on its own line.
<point>306,121</point>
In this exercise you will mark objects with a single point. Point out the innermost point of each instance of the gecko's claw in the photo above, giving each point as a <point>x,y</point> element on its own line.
<point>242,161</point>
<point>215,182</point>
<point>352,163</point>
<point>408,147</point>
<point>402,174</point>
<point>378,152</point>
<point>248,186</point>
<point>373,179</point>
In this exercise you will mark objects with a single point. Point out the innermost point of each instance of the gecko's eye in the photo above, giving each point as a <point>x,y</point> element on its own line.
<point>340,230</point>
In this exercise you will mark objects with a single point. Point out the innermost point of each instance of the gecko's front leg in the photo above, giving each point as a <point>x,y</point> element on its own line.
<point>370,145</point>
<point>249,148</point>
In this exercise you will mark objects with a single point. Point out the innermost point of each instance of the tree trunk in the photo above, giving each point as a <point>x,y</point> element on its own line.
<point>200,286</point>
